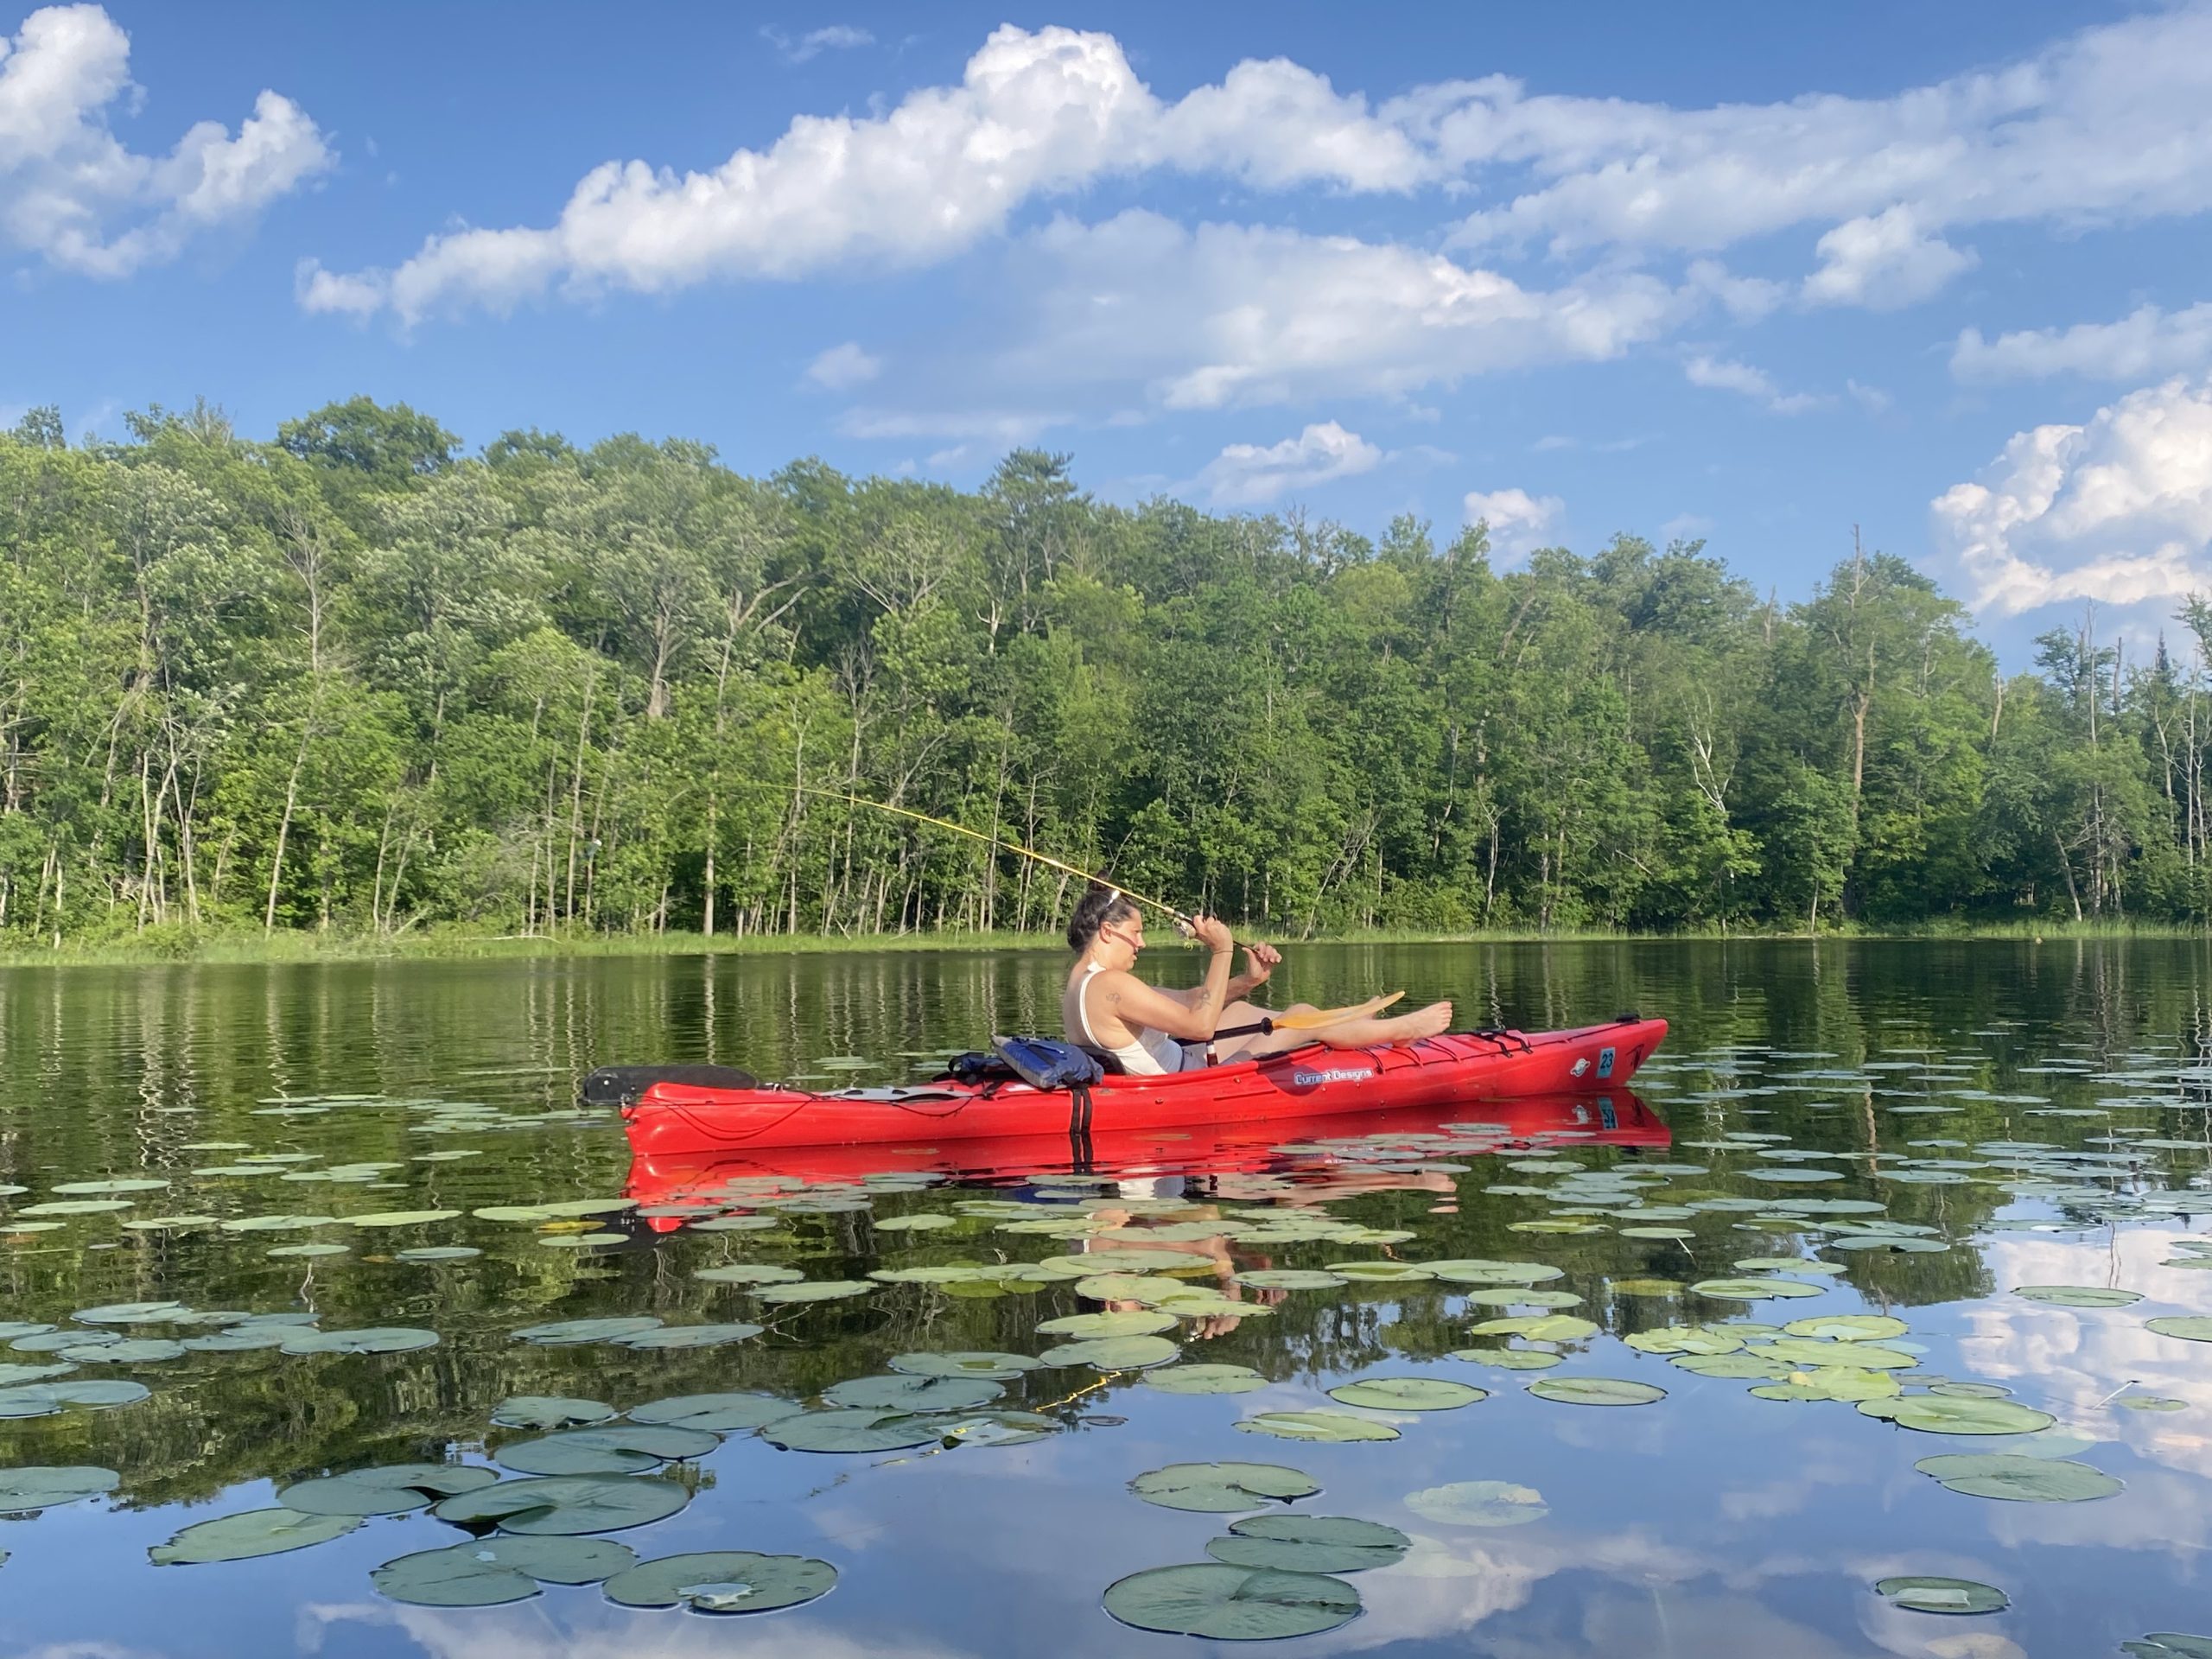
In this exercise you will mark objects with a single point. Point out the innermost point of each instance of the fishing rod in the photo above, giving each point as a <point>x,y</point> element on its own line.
<point>1184,923</point>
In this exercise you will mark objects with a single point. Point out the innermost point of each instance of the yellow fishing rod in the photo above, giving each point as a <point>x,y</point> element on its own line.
<point>1311,1020</point>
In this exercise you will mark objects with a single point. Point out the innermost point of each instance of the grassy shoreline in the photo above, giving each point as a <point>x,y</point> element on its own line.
<point>252,946</point>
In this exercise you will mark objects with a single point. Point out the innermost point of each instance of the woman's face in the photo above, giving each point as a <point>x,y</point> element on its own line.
<point>1127,928</point>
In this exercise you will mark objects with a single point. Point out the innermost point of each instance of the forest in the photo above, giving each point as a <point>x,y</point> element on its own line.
<point>356,682</point>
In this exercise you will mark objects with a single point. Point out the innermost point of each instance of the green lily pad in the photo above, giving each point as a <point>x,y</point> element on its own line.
<point>1113,1353</point>
<point>43,1486</point>
<point>1117,1260</point>
<point>2189,1329</point>
<point>256,1532</point>
<point>1537,1327</point>
<point>692,1336</point>
<point>308,1249</point>
<point>1376,1273</point>
<point>1205,1379</point>
<point>1740,1367</point>
<point>144,1184</point>
<point>375,1339</point>
<point>2019,1479</point>
<point>1755,1290</point>
<point>1519,1296</point>
<point>1222,1488</point>
<point>284,1223</point>
<point>488,1571</point>
<point>1132,1322</point>
<point>570,1333</point>
<point>718,1414</point>
<point>45,1399</point>
<point>437,1252</point>
<point>1290,1279</point>
<point>816,1290</point>
<point>621,1449</point>
<point>1924,1595</point>
<point>565,1505</point>
<point>544,1411</point>
<point>1785,1264</point>
<point>1861,1356</point>
<point>1685,1339</point>
<point>749,1273</point>
<point>1328,1426</point>
<point>2149,1402</point>
<point>998,1428</point>
<point>1478,1503</point>
<point>852,1431</point>
<point>2169,1644</point>
<point>1232,1603</point>
<point>1849,1327</point>
<point>723,1581</point>
<point>136,1351</point>
<point>1510,1359</point>
<point>1310,1543</point>
<point>2078,1295</point>
<point>393,1489</point>
<point>1936,1413</point>
<point>1648,1287</point>
<point>1405,1394</point>
<point>900,1392</point>
<point>995,1367</point>
<point>75,1207</point>
<point>921,1222</point>
<point>1595,1391</point>
<point>1831,1383</point>
<point>130,1314</point>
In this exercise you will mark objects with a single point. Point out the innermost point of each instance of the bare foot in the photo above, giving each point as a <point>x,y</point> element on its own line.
<point>1431,1021</point>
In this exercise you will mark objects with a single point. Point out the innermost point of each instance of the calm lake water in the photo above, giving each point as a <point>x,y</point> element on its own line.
<point>1907,1133</point>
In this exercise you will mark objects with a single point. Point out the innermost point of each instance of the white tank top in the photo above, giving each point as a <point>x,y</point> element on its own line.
<point>1153,1054</point>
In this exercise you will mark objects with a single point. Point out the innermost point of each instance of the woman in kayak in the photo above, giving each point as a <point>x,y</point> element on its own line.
<point>1107,1007</point>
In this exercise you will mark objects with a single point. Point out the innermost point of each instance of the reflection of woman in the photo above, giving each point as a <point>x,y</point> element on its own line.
<point>1149,1031</point>
<point>1126,1236</point>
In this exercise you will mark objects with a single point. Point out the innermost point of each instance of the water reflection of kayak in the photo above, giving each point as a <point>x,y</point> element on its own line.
<point>1350,1140</point>
<point>695,1109</point>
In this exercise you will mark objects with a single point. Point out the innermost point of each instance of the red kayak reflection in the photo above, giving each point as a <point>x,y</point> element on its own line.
<point>1302,1151</point>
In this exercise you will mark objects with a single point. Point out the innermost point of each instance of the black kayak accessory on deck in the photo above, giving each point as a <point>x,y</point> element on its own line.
<point>621,1085</point>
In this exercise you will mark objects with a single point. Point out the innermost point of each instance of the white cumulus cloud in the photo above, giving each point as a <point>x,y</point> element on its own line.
<point>1518,521</point>
<point>1726,374</point>
<point>1882,261</point>
<point>1251,474</point>
<point>2117,510</point>
<point>843,367</point>
<point>76,195</point>
<point>2146,343</point>
<point>1034,114</point>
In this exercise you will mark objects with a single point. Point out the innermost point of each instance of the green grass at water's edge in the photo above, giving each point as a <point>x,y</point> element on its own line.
<point>172,945</point>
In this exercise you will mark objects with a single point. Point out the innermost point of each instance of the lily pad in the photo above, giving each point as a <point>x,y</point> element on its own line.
<point>1310,1543</point>
<point>1849,1327</point>
<point>43,1486</point>
<point>1232,1603</point>
<point>130,1314</point>
<point>1478,1503</point>
<point>718,1414</point>
<point>723,1581</point>
<point>1375,1272</point>
<point>375,1339</point>
<point>134,1351</point>
<point>1133,1322</point>
<point>1510,1359</point>
<point>1925,1595</point>
<point>1936,1413</point>
<point>996,1367</point>
<point>394,1489</point>
<point>488,1571</point>
<point>2019,1479</point>
<point>1205,1379</point>
<point>1537,1327</point>
<point>852,1430</point>
<point>1222,1488</point>
<point>1595,1391</point>
<point>2189,1329</point>
<point>544,1411</point>
<point>1755,1290</point>
<point>1290,1278</point>
<point>749,1273</point>
<point>256,1532</point>
<point>693,1336</point>
<point>570,1333</point>
<point>437,1252</point>
<point>565,1505</point>
<point>2078,1296</point>
<point>815,1290</point>
<point>900,1392</point>
<point>1405,1394</point>
<point>1685,1339</point>
<point>621,1449</point>
<point>1121,1260</point>
<point>1113,1353</point>
<point>1329,1426</point>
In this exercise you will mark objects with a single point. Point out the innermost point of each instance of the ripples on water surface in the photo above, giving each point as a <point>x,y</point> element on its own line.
<point>1545,1437</point>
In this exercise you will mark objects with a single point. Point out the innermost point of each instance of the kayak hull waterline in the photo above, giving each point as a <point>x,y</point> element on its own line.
<point>670,1114</point>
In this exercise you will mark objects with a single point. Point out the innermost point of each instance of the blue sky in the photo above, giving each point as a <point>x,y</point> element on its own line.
<point>1751,273</point>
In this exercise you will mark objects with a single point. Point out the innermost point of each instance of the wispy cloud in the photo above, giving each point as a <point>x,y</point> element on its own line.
<point>836,37</point>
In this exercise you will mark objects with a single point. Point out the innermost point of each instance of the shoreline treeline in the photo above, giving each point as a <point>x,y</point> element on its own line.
<point>351,681</point>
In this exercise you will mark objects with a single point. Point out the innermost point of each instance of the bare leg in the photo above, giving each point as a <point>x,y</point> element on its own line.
<point>1430,1022</point>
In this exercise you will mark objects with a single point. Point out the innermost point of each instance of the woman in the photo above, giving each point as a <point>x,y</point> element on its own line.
<point>1108,1008</point>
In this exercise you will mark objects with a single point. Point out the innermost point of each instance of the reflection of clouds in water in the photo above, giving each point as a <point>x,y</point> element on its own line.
<point>527,1630</point>
<point>1815,1467</point>
<point>2068,1360</point>
<point>1660,1624</point>
<point>85,1650</point>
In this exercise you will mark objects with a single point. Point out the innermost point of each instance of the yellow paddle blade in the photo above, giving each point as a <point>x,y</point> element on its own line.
<point>1316,1019</point>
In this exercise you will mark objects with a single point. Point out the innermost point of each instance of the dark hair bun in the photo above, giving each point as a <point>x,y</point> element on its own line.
<point>1099,905</point>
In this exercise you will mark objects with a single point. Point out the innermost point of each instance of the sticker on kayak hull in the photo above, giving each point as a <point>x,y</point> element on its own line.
<point>1605,1062</point>
<point>1306,1079</point>
<point>1578,1067</point>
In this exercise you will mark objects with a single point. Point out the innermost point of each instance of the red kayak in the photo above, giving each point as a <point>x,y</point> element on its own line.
<point>689,1108</point>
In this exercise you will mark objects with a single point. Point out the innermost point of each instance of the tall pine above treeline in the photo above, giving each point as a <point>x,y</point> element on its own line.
<point>351,680</point>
